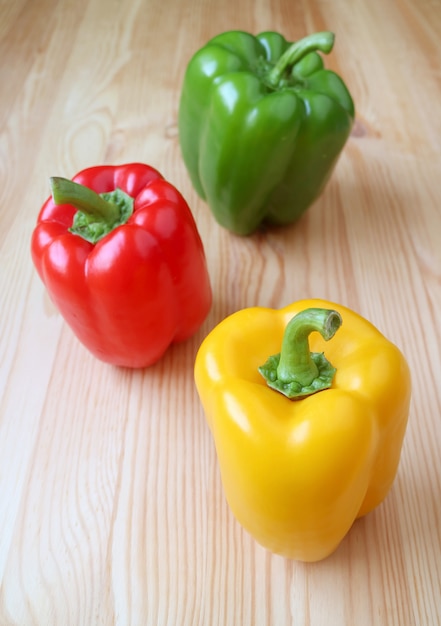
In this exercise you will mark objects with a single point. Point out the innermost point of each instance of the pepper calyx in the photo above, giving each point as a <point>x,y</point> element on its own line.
<point>295,371</point>
<point>97,214</point>
<point>322,42</point>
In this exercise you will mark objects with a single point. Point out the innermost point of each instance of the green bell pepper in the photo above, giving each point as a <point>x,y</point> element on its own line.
<point>261,126</point>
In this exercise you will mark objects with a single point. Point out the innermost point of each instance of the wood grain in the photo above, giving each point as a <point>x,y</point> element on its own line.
<point>111,506</point>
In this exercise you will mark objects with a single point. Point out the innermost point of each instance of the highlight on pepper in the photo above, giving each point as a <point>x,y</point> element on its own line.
<point>120,255</point>
<point>298,472</point>
<point>262,124</point>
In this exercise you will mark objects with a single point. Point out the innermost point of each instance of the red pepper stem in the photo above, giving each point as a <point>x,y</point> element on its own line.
<point>323,41</point>
<point>97,214</point>
<point>296,363</point>
<point>84,199</point>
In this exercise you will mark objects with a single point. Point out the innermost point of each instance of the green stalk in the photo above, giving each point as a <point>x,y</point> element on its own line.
<point>97,214</point>
<point>323,42</point>
<point>297,372</point>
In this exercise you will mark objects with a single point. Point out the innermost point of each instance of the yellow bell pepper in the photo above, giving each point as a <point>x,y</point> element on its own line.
<point>298,471</point>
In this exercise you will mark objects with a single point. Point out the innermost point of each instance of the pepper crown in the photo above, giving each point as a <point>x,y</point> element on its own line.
<point>97,214</point>
<point>295,371</point>
<point>322,42</point>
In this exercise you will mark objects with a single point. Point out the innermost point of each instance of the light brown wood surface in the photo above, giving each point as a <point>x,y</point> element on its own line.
<point>111,506</point>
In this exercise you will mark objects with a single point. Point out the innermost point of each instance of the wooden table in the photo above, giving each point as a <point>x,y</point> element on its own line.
<point>112,509</point>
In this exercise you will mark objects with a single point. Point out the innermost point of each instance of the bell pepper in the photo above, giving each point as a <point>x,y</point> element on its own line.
<point>120,255</point>
<point>261,126</point>
<point>308,407</point>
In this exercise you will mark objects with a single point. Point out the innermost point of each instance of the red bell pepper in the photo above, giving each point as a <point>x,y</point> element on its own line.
<point>121,257</point>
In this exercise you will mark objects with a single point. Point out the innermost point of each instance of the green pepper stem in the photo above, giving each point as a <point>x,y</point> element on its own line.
<point>295,362</point>
<point>323,41</point>
<point>86,200</point>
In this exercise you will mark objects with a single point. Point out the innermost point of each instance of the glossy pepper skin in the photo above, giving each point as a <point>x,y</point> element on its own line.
<point>261,126</point>
<point>141,282</point>
<point>298,472</point>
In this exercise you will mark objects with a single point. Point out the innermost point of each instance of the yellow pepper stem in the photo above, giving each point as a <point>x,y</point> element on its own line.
<point>296,372</point>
